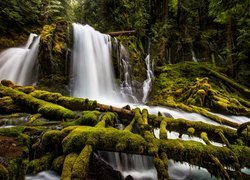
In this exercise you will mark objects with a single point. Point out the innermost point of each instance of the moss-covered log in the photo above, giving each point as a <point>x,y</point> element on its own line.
<point>182,126</point>
<point>68,166</point>
<point>36,105</point>
<point>81,165</point>
<point>103,138</point>
<point>192,151</point>
<point>79,104</point>
<point>236,85</point>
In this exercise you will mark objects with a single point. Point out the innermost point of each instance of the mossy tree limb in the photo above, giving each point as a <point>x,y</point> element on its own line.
<point>193,152</point>
<point>241,88</point>
<point>36,105</point>
<point>163,130</point>
<point>81,165</point>
<point>68,165</point>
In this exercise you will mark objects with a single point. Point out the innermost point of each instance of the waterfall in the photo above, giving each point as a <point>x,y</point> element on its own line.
<point>140,167</point>
<point>147,84</point>
<point>193,56</point>
<point>93,77</point>
<point>18,64</point>
<point>126,84</point>
<point>92,69</point>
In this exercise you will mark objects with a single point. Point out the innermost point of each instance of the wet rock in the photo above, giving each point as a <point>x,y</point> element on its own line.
<point>99,169</point>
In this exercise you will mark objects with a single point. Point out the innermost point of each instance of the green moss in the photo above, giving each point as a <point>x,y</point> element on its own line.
<point>4,174</point>
<point>37,165</point>
<point>51,140</point>
<point>89,118</point>
<point>45,95</point>
<point>186,84</point>
<point>81,165</point>
<point>145,116</point>
<point>13,131</point>
<point>7,83</point>
<point>47,32</point>
<point>7,105</point>
<point>223,172</point>
<point>106,138</point>
<point>68,165</point>
<point>152,143</point>
<point>47,109</point>
<point>26,89</point>
<point>162,166</point>
<point>163,130</point>
<point>205,138</point>
<point>57,164</point>
<point>34,120</point>
<point>182,125</point>
<point>190,131</point>
<point>77,103</point>
<point>107,119</point>
<point>130,126</point>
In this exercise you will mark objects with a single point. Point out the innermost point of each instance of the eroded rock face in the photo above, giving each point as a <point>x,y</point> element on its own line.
<point>100,169</point>
<point>54,57</point>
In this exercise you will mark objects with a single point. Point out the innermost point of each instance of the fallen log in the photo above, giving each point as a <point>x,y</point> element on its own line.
<point>122,33</point>
<point>236,85</point>
<point>37,105</point>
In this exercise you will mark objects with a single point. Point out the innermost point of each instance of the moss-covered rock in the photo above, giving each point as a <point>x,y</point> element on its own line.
<point>89,118</point>
<point>51,141</point>
<point>57,164</point>
<point>37,165</point>
<point>52,57</point>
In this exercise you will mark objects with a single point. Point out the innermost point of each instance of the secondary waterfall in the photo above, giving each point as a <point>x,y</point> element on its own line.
<point>18,64</point>
<point>92,69</point>
<point>126,84</point>
<point>147,84</point>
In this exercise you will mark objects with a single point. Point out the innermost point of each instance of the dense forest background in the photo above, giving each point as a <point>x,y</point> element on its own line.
<point>216,31</point>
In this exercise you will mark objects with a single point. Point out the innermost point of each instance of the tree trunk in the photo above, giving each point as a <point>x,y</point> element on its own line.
<point>229,45</point>
<point>165,9</point>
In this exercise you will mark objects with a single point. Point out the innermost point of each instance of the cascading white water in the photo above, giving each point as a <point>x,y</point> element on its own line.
<point>92,72</point>
<point>18,64</point>
<point>193,56</point>
<point>147,84</point>
<point>93,78</point>
<point>126,85</point>
<point>138,166</point>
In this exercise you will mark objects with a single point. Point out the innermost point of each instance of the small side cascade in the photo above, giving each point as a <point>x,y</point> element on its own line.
<point>140,167</point>
<point>18,64</point>
<point>126,86</point>
<point>194,56</point>
<point>147,84</point>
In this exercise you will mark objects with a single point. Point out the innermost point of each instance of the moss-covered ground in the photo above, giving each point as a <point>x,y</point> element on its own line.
<point>195,87</point>
<point>61,133</point>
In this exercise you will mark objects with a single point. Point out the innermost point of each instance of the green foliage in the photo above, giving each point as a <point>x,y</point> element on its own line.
<point>16,14</point>
<point>4,174</point>
<point>125,14</point>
